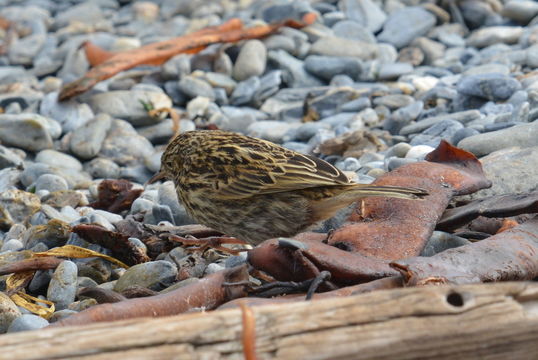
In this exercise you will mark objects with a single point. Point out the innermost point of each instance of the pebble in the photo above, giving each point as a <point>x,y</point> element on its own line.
<point>131,105</point>
<point>26,131</point>
<point>251,60</point>
<point>27,322</point>
<point>326,67</point>
<point>491,86</point>
<point>406,24</point>
<point>86,140</point>
<point>63,285</point>
<point>335,46</point>
<point>8,312</point>
<point>525,135</point>
<point>193,87</point>
<point>50,182</point>
<point>418,152</point>
<point>154,275</point>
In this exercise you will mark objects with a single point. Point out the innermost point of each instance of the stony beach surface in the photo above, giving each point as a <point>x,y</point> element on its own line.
<point>370,86</point>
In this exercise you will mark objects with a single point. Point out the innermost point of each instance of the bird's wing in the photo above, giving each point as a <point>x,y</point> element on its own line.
<point>267,168</point>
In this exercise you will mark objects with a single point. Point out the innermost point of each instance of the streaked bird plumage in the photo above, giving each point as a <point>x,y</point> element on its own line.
<point>254,190</point>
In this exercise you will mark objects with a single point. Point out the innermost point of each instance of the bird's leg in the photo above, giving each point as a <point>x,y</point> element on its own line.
<point>288,287</point>
<point>214,242</point>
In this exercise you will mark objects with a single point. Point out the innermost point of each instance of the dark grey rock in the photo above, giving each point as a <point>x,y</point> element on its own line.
<point>326,67</point>
<point>463,117</point>
<point>365,12</point>
<point>245,90</point>
<point>462,134</point>
<point>154,275</point>
<point>294,72</point>
<point>441,241</point>
<point>393,71</point>
<point>69,114</point>
<point>403,116</point>
<point>525,135</point>
<point>193,87</point>
<point>489,86</point>
<point>444,129</point>
<point>406,24</point>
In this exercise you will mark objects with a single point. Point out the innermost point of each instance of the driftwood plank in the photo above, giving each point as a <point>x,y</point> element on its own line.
<point>489,321</point>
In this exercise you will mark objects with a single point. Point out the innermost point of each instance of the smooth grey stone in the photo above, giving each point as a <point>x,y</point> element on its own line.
<point>271,130</point>
<point>218,80</point>
<point>141,205</point>
<point>154,275</point>
<point>26,131</point>
<point>86,140</point>
<point>167,195</point>
<point>41,279</point>
<point>9,158</point>
<point>463,117</point>
<point>245,90</point>
<point>393,71</point>
<point>102,168</point>
<point>138,244</point>
<point>419,152</point>
<point>16,206</point>
<point>462,134</point>
<point>295,73</point>
<point>269,85</point>
<point>89,13</point>
<point>70,114</point>
<point>432,136</point>
<point>365,12</point>
<point>331,18</point>
<point>348,164</point>
<point>128,105</point>
<point>522,11</point>
<point>440,241</point>
<point>112,218</point>
<point>309,129</point>
<point>50,182</point>
<point>348,29</point>
<point>22,51</point>
<point>233,261</point>
<point>27,322</point>
<point>124,145</point>
<point>341,80</point>
<point>12,245</point>
<point>406,24</point>
<point>326,67</point>
<point>394,101</point>
<point>335,46</point>
<point>403,116</point>
<point>521,178</point>
<point>487,36</point>
<point>297,146</point>
<point>489,86</point>
<point>162,132</point>
<point>395,162</point>
<point>136,173</point>
<point>63,285</point>
<point>193,87</point>
<point>177,67</point>
<point>8,312</point>
<point>498,126</point>
<point>356,105</point>
<point>525,135</point>
<point>11,74</point>
<point>280,42</point>
<point>58,159</point>
<point>162,213</point>
<point>251,60</point>
<point>61,314</point>
<point>399,150</point>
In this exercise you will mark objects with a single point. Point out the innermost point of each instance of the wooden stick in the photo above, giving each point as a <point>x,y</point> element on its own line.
<point>486,321</point>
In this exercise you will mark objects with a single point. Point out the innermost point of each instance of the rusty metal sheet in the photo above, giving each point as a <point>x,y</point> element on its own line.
<point>294,260</point>
<point>495,206</point>
<point>509,255</point>
<point>388,228</point>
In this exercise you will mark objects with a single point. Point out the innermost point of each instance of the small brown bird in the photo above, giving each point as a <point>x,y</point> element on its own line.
<point>255,190</point>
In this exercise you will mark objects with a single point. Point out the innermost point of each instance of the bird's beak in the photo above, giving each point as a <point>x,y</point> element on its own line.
<point>158,176</point>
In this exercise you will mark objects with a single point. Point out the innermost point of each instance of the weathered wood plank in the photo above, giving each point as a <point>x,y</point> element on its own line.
<point>490,321</point>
